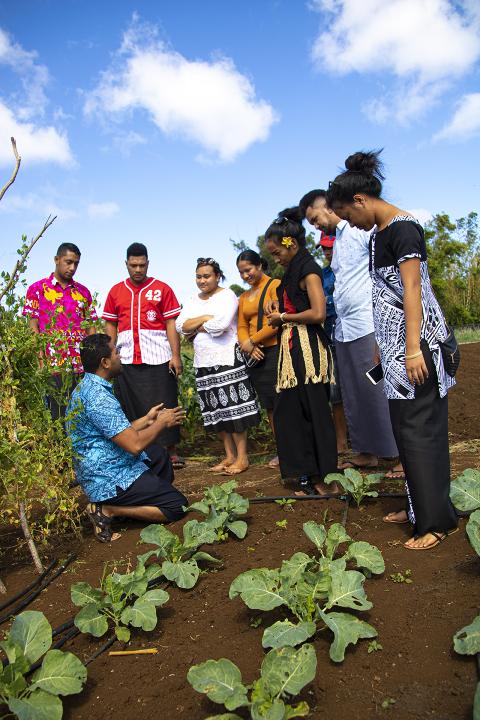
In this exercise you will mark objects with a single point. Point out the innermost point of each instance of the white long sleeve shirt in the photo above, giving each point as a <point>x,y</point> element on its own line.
<point>216,346</point>
<point>352,295</point>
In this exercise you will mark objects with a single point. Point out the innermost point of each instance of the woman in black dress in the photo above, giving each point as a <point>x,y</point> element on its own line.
<point>409,325</point>
<point>305,434</point>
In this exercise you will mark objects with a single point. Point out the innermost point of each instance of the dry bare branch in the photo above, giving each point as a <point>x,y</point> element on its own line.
<point>18,265</point>
<point>18,160</point>
<point>28,537</point>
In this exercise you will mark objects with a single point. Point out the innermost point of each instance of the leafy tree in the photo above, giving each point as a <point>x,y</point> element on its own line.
<point>453,249</point>
<point>35,458</point>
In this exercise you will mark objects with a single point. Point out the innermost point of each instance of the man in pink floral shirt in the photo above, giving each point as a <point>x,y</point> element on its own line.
<point>61,307</point>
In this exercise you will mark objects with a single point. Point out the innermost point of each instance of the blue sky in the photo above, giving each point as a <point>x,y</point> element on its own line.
<point>183,123</point>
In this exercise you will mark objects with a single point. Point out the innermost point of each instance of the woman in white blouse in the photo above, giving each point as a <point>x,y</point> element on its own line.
<point>227,399</point>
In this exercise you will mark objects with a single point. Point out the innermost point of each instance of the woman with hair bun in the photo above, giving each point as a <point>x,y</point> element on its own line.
<point>226,397</point>
<point>256,338</point>
<point>305,434</point>
<point>409,327</point>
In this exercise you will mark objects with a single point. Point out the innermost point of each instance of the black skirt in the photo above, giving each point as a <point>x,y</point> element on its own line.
<point>226,396</point>
<point>140,387</point>
<point>304,430</point>
<point>264,377</point>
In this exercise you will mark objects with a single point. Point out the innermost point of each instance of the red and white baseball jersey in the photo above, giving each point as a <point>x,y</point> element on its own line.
<point>140,312</point>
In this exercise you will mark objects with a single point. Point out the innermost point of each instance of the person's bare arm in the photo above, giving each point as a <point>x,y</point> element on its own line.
<point>134,441</point>
<point>111,330</point>
<point>412,306</point>
<point>148,419</point>
<point>194,324</point>
<point>316,313</point>
<point>174,342</point>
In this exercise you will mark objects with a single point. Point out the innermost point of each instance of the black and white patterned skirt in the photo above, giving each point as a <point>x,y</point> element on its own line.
<point>226,396</point>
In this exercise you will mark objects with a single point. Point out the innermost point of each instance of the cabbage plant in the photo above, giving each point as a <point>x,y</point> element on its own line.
<point>180,559</point>
<point>284,673</point>
<point>121,601</point>
<point>60,673</point>
<point>221,506</point>
<point>312,587</point>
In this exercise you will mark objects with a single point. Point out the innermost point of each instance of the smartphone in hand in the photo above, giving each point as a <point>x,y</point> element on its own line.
<point>375,374</point>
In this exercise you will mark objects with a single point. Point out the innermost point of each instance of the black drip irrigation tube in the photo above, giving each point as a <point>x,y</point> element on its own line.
<point>100,650</point>
<point>26,601</point>
<point>327,496</point>
<point>27,589</point>
<point>61,628</point>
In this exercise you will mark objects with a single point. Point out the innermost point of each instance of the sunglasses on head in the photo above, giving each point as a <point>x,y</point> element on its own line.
<point>206,261</point>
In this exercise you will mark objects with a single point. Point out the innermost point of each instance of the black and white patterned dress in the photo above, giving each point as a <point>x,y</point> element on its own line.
<point>226,396</point>
<point>401,240</point>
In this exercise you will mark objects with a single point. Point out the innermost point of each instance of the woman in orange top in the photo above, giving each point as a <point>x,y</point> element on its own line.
<point>255,338</point>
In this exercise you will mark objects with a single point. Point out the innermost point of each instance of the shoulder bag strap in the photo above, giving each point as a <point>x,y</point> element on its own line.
<point>260,306</point>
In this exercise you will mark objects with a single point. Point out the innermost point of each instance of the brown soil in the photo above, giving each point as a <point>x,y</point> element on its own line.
<point>417,667</point>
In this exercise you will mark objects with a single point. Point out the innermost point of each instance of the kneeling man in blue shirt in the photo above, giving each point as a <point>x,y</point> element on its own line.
<point>117,476</point>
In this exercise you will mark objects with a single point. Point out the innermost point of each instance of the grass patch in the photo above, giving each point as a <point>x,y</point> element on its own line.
<point>467,335</point>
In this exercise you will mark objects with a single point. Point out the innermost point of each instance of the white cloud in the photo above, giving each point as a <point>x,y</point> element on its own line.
<point>35,144</point>
<point>20,111</point>
<point>465,122</point>
<point>424,44</point>
<point>103,210</point>
<point>35,204</point>
<point>33,76</point>
<point>125,142</point>
<point>208,102</point>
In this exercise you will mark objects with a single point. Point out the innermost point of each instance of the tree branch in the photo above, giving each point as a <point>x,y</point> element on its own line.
<point>18,265</point>
<point>18,160</point>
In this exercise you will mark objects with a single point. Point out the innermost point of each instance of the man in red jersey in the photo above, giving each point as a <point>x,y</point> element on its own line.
<point>140,317</point>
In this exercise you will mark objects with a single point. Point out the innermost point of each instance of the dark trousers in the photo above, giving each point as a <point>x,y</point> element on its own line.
<point>154,488</point>
<point>62,387</point>
<point>420,427</point>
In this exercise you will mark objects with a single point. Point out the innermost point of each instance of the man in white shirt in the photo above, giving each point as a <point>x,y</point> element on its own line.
<point>366,407</point>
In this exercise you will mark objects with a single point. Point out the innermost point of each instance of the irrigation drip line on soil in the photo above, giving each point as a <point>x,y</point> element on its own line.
<point>26,601</point>
<point>101,650</point>
<point>327,496</point>
<point>61,628</point>
<point>73,632</point>
<point>27,589</point>
<point>345,512</point>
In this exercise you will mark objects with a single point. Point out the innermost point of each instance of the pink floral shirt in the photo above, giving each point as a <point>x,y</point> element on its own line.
<point>61,310</point>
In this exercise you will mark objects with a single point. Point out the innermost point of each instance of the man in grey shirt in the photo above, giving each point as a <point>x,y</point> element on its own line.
<point>366,407</point>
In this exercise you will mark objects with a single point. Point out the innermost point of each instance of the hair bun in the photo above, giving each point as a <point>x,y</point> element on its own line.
<point>293,214</point>
<point>367,163</point>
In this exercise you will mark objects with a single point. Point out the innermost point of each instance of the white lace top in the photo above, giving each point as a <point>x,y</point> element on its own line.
<point>216,346</point>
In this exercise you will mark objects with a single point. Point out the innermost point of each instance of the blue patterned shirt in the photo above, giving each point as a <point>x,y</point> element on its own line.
<point>95,418</point>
